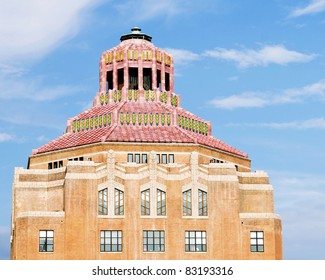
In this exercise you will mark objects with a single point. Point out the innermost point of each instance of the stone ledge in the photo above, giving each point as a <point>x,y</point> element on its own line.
<point>256,187</point>
<point>40,214</point>
<point>259,216</point>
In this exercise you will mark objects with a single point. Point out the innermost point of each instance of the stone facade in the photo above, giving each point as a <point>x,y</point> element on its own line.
<point>114,187</point>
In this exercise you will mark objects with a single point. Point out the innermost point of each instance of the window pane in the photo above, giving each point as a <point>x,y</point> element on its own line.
<point>42,233</point>
<point>137,158</point>
<point>50,233</point>
<point>253,234</point>
<point>260,234</point>
<point>171,158</point>
<point>130,157</point>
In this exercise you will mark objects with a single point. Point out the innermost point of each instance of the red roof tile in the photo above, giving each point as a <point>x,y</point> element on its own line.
<point>117,132</point>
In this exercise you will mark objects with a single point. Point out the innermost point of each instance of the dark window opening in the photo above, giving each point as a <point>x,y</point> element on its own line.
<point>55,164</point>
<point>167,83</point>
<point>50,165</point>
<point>120,78</point>
<point>130,157</point>
<point>159,79</point>
<point>133,78</point>
<point>164,158</point>
<point>60,163</point>
<point>147,78</point>
<point>144,158</point>
<point>137,158</point>
<point>109,80</point>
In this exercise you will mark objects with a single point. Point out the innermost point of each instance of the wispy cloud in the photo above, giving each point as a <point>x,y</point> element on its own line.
<point>30,29</point>
<point>182,56</point>
<point>167,8</point>
<point>5,137</point>
<point>262,99</point>
<point>32,89</point>
<point>315,6</point>
<point>315,123</point>
<point>269,54</point>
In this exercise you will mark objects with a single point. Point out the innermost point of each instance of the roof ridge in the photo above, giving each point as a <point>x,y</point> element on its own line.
<point>187,134</point>
<point>105,137</point>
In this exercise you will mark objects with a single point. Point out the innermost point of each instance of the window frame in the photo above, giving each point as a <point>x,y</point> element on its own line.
<point>129,156</point>
<point>107,238</point>
<point>254,241</point>
<point>202,203</point>
<point>49,236</point>
<point>103,202</point>
<point>187,202</point>
<point>118,202</point>
<point>137,158</point>
<point>156,240</point>
<point>161,202</point>
<point>144,158</point>
<point>145,202</point>
<point>171,158</point>
<point>195,241</point>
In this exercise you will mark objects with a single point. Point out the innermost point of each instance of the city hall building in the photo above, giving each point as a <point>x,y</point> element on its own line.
<point>139,177</point>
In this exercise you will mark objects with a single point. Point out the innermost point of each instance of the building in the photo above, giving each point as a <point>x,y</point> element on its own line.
<point>139,177</point>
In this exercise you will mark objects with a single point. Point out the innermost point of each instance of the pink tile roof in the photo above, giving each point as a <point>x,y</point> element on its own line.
<point>117,132</point>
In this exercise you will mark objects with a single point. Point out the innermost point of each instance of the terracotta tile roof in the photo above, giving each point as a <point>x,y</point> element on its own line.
<point>117,132</point>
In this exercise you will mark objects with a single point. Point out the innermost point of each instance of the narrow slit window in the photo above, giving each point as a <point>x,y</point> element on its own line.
<point>102,202</point>
<point>187,203</point>
<point>161,203</point>
<point>203,203</point>
<point>119,202</point>
<point>145,202</point>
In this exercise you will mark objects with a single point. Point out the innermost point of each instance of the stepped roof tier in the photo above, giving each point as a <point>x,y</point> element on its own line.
<point>136,103</point>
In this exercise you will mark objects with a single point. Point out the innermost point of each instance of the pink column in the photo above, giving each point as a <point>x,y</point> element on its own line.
<point>162,78</point>
<point>140,71</point>
<point>115,85</point>
<point>102,74</point>
<point>171,77</point>
<point>154,70</point>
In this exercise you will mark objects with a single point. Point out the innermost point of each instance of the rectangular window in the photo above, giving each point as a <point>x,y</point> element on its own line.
<point>171,158</point>
<point>257,241</point>
<point>55,165</point>
<point>102,202</point>
<point>119,202</point>
<point>161,203</point>
<point>158,158</point>
<point>153,241</point>
<point>144,158</point>
<point>137,158</point>
<point>195,241</point>
<point>130,157</point>
<point>145,202</point>
<point>187,203</point>
<point>50,165</point>
<point>203,203</point>
<point>164,158</point>
<point>111,241</point>
<point>60,163</point>
<point>46,240</point>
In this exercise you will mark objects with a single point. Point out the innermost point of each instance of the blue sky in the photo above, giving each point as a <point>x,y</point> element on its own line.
<point>254,68</point>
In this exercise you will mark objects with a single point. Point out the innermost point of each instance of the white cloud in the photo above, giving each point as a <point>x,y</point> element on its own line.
<point>143,10</point>
<point>315,123</point>
<point>269,54</point>
<point>5,137</point>
<point>315,6</point>
<point>182,56</point>
<point>32,89</point>
<point>262,99</point>
<point>244,100</point>
<point>30,29</point>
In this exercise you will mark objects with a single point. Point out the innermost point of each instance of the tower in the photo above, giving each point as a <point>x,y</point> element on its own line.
<point>138,177</point>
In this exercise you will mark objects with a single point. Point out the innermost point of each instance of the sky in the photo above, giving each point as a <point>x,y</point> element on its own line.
<point>254,68</point>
